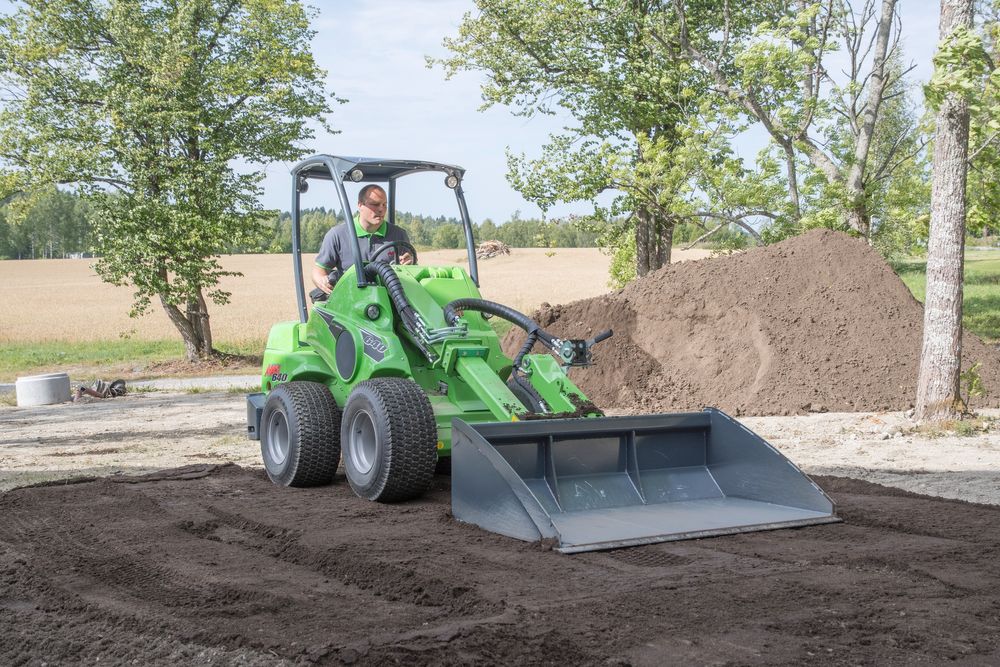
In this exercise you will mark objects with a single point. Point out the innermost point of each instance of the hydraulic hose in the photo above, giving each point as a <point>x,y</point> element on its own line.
<point>395,289</point>
<point>398,297</point>
<point>504,312</point>
<point>525,349</point>
<point>535,332</point>
<point>518,377</point>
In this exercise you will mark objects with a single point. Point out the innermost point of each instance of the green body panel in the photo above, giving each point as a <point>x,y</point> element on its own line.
<point>552,383</point>
<point>287,357</point>
<point>466,379</point>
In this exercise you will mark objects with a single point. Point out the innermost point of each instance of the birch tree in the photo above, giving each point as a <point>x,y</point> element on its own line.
<point>959,59</point>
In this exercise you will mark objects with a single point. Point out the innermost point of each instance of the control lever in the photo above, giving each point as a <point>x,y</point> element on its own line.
<point>575,352</point>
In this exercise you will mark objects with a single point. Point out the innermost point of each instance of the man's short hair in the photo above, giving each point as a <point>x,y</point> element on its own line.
<point>365,191</point>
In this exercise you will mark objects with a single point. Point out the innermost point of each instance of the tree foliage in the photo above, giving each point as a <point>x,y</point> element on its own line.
<point>599,63</point>
<point>147,106</point>
<point>983,86</point>
<point>658,93</point>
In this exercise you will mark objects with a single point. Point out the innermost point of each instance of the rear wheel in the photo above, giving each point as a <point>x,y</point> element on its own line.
<point>390,440</point>
<point>300,434</point>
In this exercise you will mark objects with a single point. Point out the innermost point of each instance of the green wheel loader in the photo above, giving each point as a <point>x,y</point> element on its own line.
<point>400,371</point>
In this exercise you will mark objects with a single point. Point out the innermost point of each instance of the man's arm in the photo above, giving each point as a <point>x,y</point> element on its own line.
<point>319,278</point>
<point>406,257</point>
<point>328,256</point>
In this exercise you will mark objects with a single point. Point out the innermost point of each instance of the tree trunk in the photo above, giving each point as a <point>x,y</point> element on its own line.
<point>938,388</point>
<point>643,241</point>
<point>664,243</point>
<point>859,219</point>
<point>793,180</point>
<point>653,242</point>
<point>194,328</point>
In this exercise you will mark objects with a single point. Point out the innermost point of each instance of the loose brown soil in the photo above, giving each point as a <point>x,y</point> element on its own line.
<point>817,323</point>
<point>218,566</point>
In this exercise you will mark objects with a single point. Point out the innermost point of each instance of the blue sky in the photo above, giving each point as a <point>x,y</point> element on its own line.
<point>374,55</point>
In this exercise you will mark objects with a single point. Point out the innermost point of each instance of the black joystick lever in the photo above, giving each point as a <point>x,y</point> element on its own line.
<point>576,351</point>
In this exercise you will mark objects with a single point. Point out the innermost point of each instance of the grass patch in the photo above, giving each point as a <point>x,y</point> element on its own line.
<point>242,391</point>
<point>125,357</point>
<point>967,427</point>
<point>981,308</point>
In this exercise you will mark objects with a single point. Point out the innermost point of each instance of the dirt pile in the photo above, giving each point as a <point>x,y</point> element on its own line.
<point>817,323</point>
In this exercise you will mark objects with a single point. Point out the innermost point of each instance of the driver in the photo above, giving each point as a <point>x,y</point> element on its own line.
<point>336,252</point>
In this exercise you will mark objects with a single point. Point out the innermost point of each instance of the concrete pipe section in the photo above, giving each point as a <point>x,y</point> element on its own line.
<point>42,389</point>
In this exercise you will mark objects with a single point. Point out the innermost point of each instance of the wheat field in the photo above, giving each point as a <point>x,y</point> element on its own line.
<point>64,300</point>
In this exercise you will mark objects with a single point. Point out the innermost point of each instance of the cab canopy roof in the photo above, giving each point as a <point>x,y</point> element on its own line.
<point>373,169</point>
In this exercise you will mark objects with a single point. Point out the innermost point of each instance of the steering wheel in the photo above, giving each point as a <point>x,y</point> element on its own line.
<point>398,245</point>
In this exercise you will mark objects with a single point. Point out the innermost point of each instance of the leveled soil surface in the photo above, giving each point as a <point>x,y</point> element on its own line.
<point>817,323</point>
<point>207,565</point>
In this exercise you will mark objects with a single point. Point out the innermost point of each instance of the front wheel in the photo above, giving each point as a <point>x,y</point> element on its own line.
<point>390,440</point>
<point>300,434</point>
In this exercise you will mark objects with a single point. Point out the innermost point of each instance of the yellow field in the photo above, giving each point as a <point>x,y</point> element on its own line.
<point>64,300</point>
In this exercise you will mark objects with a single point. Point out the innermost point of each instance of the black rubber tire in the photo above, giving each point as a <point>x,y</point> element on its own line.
<point>390,440</point>
<point>530,399</point>
<point>307,417</point>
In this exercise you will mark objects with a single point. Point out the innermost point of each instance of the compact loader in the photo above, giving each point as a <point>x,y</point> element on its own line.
<point>400,371</point>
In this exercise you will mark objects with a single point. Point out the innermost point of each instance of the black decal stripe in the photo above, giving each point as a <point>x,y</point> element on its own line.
<point>335,327</point>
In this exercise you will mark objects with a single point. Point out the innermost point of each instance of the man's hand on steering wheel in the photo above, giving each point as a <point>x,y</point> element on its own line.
<point>408,256</point>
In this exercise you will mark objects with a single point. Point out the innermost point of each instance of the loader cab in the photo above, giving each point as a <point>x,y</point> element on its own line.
<point>362,171</point>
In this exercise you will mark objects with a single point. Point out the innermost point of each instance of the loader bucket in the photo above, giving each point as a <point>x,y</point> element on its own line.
<point>610,482</point>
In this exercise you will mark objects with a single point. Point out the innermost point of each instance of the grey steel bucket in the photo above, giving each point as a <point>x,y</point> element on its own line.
<point>611,482</point>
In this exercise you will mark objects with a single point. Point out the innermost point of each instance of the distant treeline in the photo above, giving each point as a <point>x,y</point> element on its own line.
<point>434,232</point>
<point>57,224</point>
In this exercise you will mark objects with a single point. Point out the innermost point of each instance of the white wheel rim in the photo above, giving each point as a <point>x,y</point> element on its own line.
<point>363,442</point>
<point>277,438</point>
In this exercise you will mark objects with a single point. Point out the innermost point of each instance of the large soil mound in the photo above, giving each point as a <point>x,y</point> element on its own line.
<point>818,322</point>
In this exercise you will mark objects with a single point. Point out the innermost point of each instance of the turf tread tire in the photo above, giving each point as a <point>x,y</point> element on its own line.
<point>313,421</point>
<point>407,433</point>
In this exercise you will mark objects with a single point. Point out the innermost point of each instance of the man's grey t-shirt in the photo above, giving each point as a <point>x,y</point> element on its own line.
<point>337,248</point>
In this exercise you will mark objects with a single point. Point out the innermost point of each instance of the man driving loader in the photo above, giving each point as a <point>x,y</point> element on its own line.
<point>373,230</point>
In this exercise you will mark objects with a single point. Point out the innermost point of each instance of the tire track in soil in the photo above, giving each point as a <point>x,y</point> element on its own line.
<point>351,566</point>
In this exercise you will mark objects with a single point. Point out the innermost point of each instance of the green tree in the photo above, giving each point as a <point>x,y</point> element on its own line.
<point>48,223</point>
<point>984,140</point>
<point>147,105</point>
<point>600,63</point>
<point>449,236</point>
